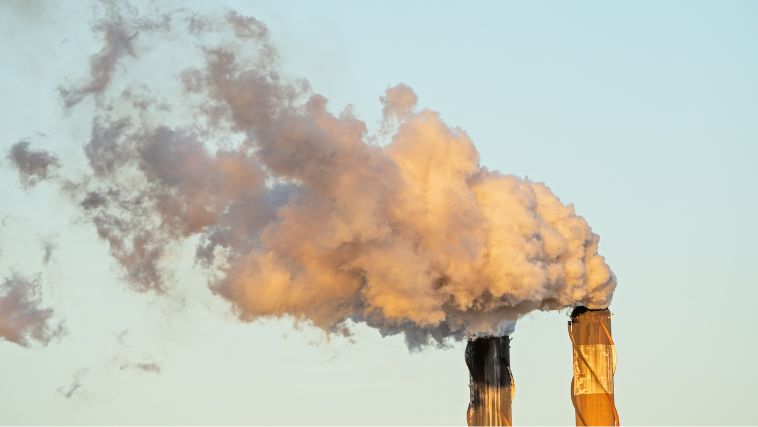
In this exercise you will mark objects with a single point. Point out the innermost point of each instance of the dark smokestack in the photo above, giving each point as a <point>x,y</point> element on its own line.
<point>594,366</point>
<point>491,382</point>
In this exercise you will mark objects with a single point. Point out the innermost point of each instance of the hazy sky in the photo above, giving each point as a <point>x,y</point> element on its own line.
<point>643,115</point>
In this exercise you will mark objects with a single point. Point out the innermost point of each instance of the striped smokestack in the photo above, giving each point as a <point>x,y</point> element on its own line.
<point>594,366</point>
<point>491,382</point>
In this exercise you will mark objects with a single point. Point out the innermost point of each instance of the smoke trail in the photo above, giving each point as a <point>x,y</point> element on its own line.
<point>296,211</point>
<point>22,320</point>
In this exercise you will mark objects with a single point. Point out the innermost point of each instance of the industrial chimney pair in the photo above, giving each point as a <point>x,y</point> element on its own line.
<point>492,387</point>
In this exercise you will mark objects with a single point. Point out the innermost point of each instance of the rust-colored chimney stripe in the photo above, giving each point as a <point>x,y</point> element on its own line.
<point>594,366</point>
<point>592,326</point>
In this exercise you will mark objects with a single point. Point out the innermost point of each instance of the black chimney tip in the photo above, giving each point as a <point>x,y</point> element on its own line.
<point>579,310</point>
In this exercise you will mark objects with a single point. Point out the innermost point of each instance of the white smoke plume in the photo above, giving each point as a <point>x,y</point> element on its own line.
<point>298,211</point>
<point>22,319</point>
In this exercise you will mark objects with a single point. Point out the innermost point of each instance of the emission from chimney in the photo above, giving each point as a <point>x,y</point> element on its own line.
<point>491,381</point>
<point>594,366</point>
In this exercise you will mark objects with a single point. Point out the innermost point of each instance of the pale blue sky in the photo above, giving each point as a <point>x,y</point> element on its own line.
<point>643,114</point>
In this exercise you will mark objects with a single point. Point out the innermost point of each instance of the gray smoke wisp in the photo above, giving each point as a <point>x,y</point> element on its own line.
<point>22,318</point>
<point>298,211</point>
<point>33,166</point>
<point>75,386</point>
<point>149,367</point>
<point>49,245</point>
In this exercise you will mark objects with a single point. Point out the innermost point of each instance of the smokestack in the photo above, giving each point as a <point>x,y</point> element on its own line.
<point>491,382</point>
<point>594,366</point>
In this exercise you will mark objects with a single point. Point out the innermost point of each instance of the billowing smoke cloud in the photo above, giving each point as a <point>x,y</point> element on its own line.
<point>33,166</point>
<point>298,212</point>
<point>22,320</point>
